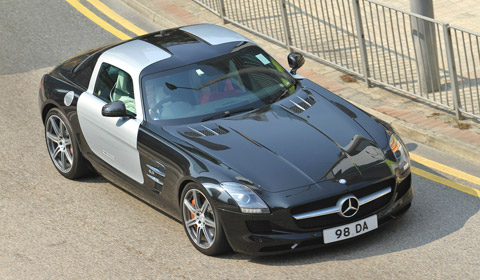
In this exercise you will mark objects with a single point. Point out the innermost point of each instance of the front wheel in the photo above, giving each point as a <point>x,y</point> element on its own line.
<point>201,222</point>
<point>62,146</point>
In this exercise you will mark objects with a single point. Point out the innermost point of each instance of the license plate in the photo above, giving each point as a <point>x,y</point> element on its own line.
<point>350,230</point>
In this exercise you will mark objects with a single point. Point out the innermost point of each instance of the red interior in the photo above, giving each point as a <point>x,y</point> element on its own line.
<point>220,90</point>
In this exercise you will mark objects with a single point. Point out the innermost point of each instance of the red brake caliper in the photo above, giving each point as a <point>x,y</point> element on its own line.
<point>192,216</point>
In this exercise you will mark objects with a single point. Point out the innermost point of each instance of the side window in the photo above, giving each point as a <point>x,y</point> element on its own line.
<point>114,84</point>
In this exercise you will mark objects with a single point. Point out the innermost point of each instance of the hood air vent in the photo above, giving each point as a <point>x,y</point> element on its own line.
<point>301,104</point>
<point>202,131</point>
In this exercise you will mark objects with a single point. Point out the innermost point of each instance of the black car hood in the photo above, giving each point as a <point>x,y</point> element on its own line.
<point>280,149</point>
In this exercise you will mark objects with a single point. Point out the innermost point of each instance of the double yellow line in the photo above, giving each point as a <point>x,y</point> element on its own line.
<point>447,170</point>
<point>109,13</point>
<point>138,31</point>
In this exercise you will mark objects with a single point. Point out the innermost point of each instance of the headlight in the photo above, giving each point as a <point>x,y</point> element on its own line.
<point>399,151</point>
<point>246,199</point>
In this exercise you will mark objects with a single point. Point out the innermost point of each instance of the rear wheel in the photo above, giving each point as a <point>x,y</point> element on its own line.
<point>62,146</point>
<point>201,222</point>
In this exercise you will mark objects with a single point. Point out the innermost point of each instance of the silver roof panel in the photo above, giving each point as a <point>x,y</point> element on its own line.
<point>135,55</point>
<point>132,57</point>
<point>214,34</point>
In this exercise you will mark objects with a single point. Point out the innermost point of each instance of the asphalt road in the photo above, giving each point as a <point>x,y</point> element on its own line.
<point>51,227</point>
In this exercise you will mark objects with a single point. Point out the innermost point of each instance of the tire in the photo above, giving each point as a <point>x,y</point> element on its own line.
<point>201,221</point>
<point>62,146</point>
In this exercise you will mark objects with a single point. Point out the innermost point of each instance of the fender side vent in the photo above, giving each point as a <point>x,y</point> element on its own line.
<point>203,131</point>
<point>156,173</point>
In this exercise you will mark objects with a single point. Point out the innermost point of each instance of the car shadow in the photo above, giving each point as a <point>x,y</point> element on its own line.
<point>411,146</point>
<point>94,179</point>
<point>99,179</point>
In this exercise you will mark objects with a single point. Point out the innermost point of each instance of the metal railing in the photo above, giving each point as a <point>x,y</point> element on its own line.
<point>388,46</point>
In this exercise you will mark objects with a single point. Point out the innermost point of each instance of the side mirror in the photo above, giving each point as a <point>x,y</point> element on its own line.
<point>114,109</point>
<point>295,61</point>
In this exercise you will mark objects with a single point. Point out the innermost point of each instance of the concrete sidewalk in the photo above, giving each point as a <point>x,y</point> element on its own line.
<point>461,13</point>
<point>413,118</point>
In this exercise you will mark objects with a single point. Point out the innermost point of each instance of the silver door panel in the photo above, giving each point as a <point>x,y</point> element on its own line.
<point>112,139</point>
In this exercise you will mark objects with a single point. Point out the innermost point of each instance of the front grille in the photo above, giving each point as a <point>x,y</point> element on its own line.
<point>259,227</point>
<point>332,220</point>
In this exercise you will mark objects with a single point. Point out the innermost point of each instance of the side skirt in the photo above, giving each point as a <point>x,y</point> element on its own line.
<point>130,186</point>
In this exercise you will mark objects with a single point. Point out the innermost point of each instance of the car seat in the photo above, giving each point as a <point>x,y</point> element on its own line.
<point>123,91</point>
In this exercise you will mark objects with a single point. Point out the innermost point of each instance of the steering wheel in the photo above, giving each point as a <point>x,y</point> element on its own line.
<point>156,108</point>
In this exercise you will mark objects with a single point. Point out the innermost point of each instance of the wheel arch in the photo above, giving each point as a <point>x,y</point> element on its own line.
<point>80,167</point>
<point>213,188</point>
<point>209,184</point>
<point>47,109</point>
<point>181,187</point>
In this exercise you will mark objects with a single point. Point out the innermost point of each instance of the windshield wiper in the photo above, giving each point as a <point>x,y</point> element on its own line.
<point>283,92</point>
<point>226,114</point>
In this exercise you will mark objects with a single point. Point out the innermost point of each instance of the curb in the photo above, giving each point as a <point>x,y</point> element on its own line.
<point>153,16</point>
<point>435,140</point>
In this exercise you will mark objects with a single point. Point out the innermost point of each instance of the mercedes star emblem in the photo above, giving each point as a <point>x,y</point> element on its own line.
<point>348,206</point>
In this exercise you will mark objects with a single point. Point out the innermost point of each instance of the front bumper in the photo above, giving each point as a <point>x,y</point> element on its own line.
<point>246,235</point>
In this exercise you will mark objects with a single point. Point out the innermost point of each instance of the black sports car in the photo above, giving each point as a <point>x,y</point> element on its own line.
<point>204,124</point>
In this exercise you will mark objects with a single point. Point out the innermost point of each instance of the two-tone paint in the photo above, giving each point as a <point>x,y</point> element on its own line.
<point>303,149</point>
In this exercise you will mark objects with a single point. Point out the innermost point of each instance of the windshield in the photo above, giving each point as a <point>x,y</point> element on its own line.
<point>243,80</point>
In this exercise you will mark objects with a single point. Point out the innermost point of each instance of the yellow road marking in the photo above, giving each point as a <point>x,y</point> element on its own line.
<point>446,182</point>
<point>93,17</point>
<point>445,169</point>
<point>116,17</point>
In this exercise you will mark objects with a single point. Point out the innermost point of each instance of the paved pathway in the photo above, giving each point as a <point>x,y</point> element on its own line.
<point>462,13</point>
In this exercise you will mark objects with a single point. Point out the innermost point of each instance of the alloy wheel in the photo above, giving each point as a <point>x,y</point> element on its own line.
<point>199,219</point>
<point>59,144</point>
